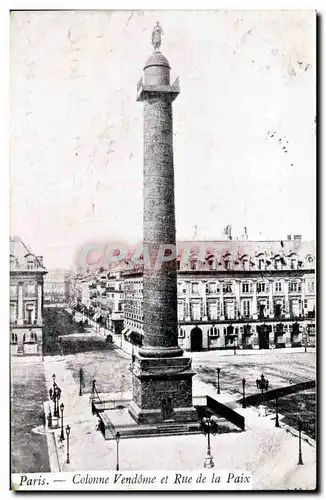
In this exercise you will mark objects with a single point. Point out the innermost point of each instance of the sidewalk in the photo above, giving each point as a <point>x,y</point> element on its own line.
<point>270,453</point>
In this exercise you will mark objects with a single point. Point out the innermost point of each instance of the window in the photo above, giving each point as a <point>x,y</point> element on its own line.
<point>295,307</point>
<point>277,263</point>
<point>246,308</point>
<point>195,311</point>
<point>278,286</point>
<point>262,287</point>
<point>245,264</point>
<point>227,287</point>
<point>193,265</point>
<point>293,263</point>
<point>180,311</point>
<point>212,288</point>
<point>261,309</point>
<point>229,309</point>
<point>12,312</point>
<point>247,287</point>
<point>214,310</point>
<point>195,288</point>
<point>278,308</point>
<point>295,286</point>
<point>14,338</point>
<point>311,286</point>
<point>211,263</point>
<point>181,333</point>
<point>261,264</point>
<point>213,332</point>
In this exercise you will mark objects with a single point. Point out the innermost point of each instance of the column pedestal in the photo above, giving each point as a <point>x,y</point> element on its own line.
<point>162,390</point>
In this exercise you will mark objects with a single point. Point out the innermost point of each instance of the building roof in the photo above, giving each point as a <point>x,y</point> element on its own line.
<point>238,249</point>
<point>235,251</point>
<point>22,258</point>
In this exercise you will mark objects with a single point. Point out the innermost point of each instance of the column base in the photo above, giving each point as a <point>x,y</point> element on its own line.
<point>162,390</point>
<point>154,416</point>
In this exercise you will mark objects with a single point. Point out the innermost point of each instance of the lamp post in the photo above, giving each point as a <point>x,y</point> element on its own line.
<point>68,434</point>
<point>62,436</point>
<point>117,438</point>
<point>218,381</point>
<point>243,392</point>
<point>262,384</point>
<point>235,341</point>
<point>305,340</point>
<point>81,381</point>
<point>277,423</point>
<point>55,395</point>
<point>208,426</point>
<point>300,462</point>
<point>53,378</point>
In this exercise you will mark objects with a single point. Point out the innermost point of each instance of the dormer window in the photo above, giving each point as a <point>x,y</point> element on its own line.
<point>227,262</point>
<point>277,262</point>
<point>261,263</point>
<point>310,259</point>
<point>245,263</point>
<point>293,261</point>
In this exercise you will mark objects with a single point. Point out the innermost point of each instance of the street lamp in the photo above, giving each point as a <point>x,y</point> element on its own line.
<point>68,434</point>
<point>208,426</point>
<point>262,384</point>
<point>300,462</point>
<point>53,378</point>
<point>243,392</point>
<point>55,395</point>
<point>218,381</point>
<point>277,423</point>
<point>62,407</point>
<point>81,381</point>
<point>117,438</point>
<point>235,345</point>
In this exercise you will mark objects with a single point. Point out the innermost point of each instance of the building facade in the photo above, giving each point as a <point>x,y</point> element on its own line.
<point>241,294</point>
<point>57,287</point>
<point>100,298</point>
<point>26,299</point>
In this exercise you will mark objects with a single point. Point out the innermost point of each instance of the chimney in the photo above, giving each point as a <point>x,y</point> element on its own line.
<point>289,237</point>
<point>297,237</point>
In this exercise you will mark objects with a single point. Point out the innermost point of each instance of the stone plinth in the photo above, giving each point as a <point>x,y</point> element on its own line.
<point>162,390</point>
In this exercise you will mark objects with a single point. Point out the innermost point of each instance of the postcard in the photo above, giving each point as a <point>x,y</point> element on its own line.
<point>162,250</point>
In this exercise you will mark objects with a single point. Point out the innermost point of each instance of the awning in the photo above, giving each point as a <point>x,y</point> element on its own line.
<point>125,331</point>
<point>96,316</point>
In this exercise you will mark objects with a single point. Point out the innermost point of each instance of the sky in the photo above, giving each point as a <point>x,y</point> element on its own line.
<point>244,125</point>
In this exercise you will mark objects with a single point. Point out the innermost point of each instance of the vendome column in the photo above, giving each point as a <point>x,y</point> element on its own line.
<point>162,376</point>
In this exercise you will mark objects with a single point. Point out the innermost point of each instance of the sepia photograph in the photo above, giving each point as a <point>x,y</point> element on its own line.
<point>163,250</point>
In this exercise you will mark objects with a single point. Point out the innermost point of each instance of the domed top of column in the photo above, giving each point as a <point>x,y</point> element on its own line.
<point>157,67</point>
<point>157,59</point>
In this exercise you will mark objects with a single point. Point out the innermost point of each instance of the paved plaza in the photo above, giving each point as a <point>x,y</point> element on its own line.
<point>260,449</point>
